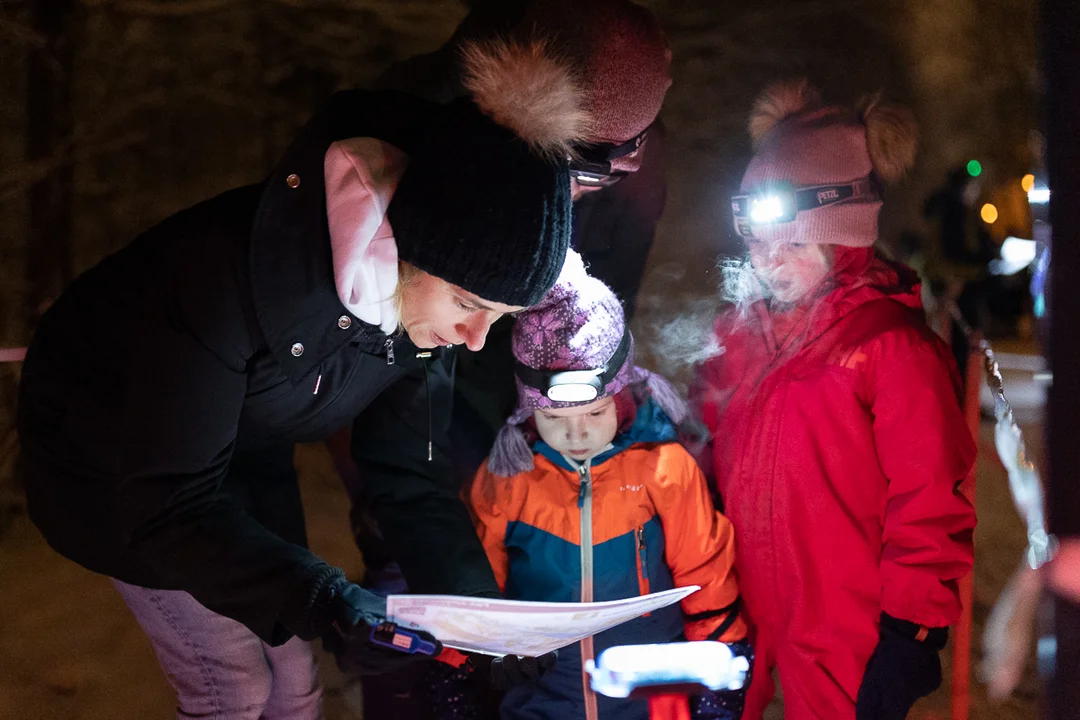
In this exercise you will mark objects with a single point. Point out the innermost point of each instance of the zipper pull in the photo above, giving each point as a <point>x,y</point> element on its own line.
<point>583,485</point>
<point>389,344</point>
<point>641,537</point>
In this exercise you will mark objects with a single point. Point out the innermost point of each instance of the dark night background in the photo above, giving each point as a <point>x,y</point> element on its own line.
<point>116,113</point>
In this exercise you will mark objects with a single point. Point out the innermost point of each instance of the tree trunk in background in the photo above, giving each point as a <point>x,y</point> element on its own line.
<point>1061,46</point>
<point>49,126</point>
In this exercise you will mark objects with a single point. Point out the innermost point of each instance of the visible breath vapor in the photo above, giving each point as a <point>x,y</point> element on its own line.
<point>674,329</point>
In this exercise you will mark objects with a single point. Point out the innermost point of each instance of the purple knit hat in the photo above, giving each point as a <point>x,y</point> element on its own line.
<point>801,142</point>
<point>579,325</point>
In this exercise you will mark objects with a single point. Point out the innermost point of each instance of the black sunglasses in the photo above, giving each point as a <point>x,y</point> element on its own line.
<point>592,165</point>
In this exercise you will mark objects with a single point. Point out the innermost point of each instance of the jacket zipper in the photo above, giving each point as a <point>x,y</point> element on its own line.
<point>588,652</point>
<point>424,357</point>
<point>642,561</point>
<point>389,345</point>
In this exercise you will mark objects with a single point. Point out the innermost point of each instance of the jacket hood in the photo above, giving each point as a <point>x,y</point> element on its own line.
<point>361,175</point>
<point>292,269</point>
<point>859,276</point>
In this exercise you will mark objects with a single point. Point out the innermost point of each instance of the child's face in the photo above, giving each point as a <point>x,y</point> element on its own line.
<point>580,431</point>
<point>789,271</point>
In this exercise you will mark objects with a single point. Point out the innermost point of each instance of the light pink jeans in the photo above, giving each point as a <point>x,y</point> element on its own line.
<point>220,669</point>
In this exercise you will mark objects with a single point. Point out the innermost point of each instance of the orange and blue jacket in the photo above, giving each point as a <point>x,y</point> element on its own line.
<point>636,519</point>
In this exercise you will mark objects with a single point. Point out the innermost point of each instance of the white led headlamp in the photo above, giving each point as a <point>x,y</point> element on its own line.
<point>782,202</point>
<point>575,386</point>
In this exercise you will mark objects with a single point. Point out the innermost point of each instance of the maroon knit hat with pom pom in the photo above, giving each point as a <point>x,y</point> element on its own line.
<point>621,55</point>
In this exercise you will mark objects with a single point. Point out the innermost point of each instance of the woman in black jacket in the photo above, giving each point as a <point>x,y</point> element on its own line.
<point>164,390</point>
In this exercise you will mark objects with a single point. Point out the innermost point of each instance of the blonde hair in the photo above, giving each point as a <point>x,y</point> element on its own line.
<point>407,275</point>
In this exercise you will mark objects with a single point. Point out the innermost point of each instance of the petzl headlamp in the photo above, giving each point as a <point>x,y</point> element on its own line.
<point>782,202</point>
<point>575,385</point>
<point>592,165</point>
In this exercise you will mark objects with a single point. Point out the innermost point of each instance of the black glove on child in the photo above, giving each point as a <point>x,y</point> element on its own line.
<point>511,671</point>
<point>725,704</point>
<point>354,611</point>
<point>904,667</point>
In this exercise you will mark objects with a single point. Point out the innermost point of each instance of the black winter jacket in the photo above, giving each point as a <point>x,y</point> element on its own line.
<point>163,391</point>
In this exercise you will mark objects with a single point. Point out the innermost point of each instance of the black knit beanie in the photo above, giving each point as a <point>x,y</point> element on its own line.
<point>478,208</point>
<point>485,201</point>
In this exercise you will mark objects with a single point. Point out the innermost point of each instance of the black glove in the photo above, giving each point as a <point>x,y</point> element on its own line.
<point>904,667</point>
<point>511,671</point>
<point>354,612</point>
<point>725,704</point>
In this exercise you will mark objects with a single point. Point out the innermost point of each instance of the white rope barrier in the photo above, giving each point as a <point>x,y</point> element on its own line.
<point>1024,481</point>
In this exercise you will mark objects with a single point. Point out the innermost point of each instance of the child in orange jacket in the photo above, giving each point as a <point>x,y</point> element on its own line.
<point>587,496</point>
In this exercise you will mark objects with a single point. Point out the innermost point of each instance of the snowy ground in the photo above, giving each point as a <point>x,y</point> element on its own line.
<point>70,651</point>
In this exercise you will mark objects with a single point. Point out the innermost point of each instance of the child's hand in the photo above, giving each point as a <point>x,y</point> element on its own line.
<point>724,704</point>
<point>904,667</point>
<point>511,671</point>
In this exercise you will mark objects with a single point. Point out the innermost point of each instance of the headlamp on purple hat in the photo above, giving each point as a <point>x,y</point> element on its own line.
<point>782,202</point>
<point>575,386</point>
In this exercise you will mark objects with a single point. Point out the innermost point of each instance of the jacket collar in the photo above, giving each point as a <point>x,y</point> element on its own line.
<point>861,276</point>
<point>292,274</point>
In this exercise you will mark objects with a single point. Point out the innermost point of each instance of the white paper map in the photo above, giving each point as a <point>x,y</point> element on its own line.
<point>515,627</point>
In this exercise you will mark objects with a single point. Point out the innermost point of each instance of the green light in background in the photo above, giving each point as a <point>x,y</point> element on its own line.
<point>974,168</point>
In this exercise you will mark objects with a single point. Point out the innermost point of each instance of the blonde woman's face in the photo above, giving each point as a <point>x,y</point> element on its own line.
<point>436,313</point>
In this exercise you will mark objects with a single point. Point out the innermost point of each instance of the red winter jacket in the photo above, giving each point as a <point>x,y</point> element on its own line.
<point>838,448</point>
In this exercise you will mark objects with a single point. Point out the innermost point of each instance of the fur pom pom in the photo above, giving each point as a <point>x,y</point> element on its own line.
<point>781,100</point>
<point>524,87</point>
<point>511,454</point>
<point>891,138</point>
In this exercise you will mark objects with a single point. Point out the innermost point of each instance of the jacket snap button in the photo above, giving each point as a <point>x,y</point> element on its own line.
<point>297,349</point>
<point>344,322</point>
<point>293,181</point>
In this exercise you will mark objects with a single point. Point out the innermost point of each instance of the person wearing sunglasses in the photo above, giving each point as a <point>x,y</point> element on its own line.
<point>621,58</point>
<point>838,441</point>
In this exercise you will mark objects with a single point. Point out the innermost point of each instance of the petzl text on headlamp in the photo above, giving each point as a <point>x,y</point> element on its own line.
<point>782,202</point>
<point>575,386</point>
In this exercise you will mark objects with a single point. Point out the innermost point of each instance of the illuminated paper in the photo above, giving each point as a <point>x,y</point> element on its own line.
<point>515,627</point>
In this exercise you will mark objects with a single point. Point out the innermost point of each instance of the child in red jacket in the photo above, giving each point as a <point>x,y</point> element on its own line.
<point>838,441</point>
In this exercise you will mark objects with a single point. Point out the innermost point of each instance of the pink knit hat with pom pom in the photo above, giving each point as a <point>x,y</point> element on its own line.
<point>802,143</point>
<point>578,326</point>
